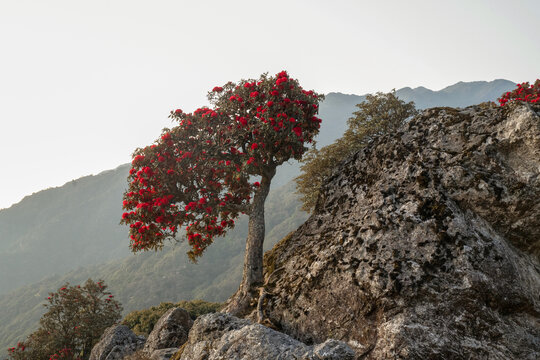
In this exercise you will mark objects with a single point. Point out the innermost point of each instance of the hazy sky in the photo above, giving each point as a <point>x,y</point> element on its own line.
<point>83,83</point>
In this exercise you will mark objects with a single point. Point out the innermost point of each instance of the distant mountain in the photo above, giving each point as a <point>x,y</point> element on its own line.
<point>339,107</point>
<point>71,232</point>
<point>461,94</point>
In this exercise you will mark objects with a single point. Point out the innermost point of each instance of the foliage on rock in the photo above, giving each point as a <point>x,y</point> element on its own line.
<point>75,319</point>
<point>142,321</point>
<point>379,114</point>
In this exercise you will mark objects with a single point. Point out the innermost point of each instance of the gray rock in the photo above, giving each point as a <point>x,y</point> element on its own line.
<point>171,331</point>
<point>424,245</point>
<point>163,354</point>
<point>332,350</point>
<point>221,336</point>
<point>116,342</point>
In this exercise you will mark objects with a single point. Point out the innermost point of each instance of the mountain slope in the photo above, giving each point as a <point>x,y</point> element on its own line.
<point>59,229</point>
<point>146,279</point>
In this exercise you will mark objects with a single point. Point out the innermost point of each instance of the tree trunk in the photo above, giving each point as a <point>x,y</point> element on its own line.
<point>247,295</point>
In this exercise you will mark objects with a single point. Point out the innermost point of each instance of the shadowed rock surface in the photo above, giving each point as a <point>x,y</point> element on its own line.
<point>116,342</point>
<point>221,336</point>
<point>424,245</point>
<point>171,331</point>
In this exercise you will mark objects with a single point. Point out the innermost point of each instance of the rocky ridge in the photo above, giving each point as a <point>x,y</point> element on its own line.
<point>423,245</point>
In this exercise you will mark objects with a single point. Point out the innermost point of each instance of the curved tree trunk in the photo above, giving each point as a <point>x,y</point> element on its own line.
<point>247,295</point>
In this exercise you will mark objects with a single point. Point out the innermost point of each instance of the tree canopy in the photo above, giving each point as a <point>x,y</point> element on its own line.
<point>379,114</point>
<point>198,173</point>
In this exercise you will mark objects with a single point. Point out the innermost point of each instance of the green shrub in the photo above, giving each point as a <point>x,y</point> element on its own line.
<point>142,321</point>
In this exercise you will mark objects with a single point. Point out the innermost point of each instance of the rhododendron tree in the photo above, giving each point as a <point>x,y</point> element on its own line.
<point>523,92</point>
<point>75,320</point>
<point>217,163</point>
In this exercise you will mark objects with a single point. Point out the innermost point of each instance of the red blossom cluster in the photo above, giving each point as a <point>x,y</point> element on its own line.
<point>65,353</point>
<point>523,92</point>
<point>20,347</point>
<point>196,175</point>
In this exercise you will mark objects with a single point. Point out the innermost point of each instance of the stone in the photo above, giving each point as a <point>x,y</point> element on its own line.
<point>423,245</point>
<point>163,354</point>
<point>116,342</point>
<point>332,349</point>
<point>171,331</point>
<point>222,336</point>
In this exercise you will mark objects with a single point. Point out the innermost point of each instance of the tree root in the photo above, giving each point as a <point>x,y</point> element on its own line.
<point>263,294</point>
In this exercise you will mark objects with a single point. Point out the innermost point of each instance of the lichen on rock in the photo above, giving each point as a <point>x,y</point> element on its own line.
<point>425,244</point>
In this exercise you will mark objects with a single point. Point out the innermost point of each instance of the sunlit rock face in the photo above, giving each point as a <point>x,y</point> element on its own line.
<point>424,245</point>
<point>223,337</point>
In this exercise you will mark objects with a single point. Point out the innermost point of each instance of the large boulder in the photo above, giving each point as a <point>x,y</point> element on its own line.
<point>171,331</point>
<point>221,336</point>
<point>117,342</point>
<point>424,245</point>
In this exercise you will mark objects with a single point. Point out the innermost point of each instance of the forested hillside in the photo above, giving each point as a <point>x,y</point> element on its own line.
<point>139,281</point>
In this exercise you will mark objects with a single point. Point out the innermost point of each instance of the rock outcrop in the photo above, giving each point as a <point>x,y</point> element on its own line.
<point>171,331</point>
<point>116,342</point>
<point>221,336</point>
<point>424,245</point>
<point>163,354</point>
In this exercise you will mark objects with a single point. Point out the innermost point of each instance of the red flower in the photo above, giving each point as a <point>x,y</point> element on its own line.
<point>274,92</point>
<point>254,146</point>
<point>256,183</point>
<point>217,89</point>
<point>178,111</point>
<point>254,94</point>
<point>281,80</point>
<point>166,136</point>
<point>297,130</point>
<point>242,120</point>
<point>251,160</point>
<point>270,103</point>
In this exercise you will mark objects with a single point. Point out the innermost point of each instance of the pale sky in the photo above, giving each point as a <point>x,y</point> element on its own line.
<point>83,83</point>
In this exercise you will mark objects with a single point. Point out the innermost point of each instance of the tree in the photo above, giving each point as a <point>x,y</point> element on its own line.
<point>75,320</point>
<point>523,92</point>
<point>378,114</point>
<point>200,173</point>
